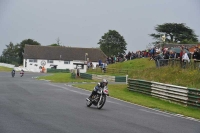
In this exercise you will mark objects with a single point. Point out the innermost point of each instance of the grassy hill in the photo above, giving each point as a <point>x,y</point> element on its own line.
<point>5,69</point>
<point>145,69</point>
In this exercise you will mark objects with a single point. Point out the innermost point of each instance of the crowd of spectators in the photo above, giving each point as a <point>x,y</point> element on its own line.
<point>157,53</point>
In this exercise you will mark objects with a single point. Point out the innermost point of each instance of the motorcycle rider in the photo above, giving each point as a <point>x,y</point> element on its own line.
<point>22,72</point>
<point>13,73</point>
<point>97,87</point>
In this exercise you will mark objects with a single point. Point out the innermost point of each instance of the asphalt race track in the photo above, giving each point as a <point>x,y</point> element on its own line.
<point>28,105</point>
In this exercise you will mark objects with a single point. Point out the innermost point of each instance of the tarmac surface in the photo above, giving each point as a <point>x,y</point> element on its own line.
<point>28,105</point>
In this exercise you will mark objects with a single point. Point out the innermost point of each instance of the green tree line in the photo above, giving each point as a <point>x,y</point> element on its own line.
<point>13,54</point>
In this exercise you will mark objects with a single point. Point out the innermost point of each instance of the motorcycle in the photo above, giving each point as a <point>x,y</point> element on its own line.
<point>13,73</point>
<point>22,74</point>
<point>99,99</point>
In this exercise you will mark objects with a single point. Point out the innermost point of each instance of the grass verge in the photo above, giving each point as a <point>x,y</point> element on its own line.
<point>63,78</point>
<point>145,69</point>
<point>121,92</point>
<point>5,69</point>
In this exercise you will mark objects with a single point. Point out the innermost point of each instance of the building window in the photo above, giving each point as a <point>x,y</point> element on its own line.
<point>49,61</point>
<point>33,60</point>
<point>66,62</point>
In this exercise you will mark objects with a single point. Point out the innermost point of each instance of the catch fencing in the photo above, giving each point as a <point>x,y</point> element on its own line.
<point>193,64</point>
<point>178,94</point>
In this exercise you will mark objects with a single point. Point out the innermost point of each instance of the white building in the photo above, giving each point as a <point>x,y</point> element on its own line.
<point>60,57</point>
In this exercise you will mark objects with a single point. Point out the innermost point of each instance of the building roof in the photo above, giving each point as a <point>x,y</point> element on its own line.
<point>62,53</point>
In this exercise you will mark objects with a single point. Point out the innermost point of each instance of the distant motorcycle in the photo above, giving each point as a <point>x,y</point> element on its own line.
<point>13,73</point>
<point>99,99</point>
<point>22,73</point>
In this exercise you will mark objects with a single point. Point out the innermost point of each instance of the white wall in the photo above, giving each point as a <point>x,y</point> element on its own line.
<point>7,65</point>
<point>60,65</point>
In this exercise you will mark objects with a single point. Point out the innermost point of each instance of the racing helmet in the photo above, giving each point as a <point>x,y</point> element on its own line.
<point>105,81</point>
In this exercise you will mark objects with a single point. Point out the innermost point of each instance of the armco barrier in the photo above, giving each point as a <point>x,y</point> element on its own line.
<point>179,94</point>
<point>73,75</point>
<point>58,70</point>
<point>141,86</point>
<point>86,76</point>
<point>120,79</point>
<point>193,97</point>
<point>113,70</point>
<point>100,77</point>
<point>170,92</point>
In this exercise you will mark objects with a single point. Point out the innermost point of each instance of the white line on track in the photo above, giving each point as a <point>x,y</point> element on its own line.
<point>160,112</point>
<point>68,89</point>
<point>154,113</point>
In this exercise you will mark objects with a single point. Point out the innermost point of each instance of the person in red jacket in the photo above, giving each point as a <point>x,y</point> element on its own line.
<point>22,72</point>
<point>181,54</point>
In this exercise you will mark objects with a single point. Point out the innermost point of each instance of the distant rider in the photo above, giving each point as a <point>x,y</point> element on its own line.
<point>13,73</point>
<point>22,72</point>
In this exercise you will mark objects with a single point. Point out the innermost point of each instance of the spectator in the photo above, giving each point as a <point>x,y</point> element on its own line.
<point>104,67</point>
<point>171,54</point>
<point>185,59</point>
<point>88,65</point>
<point>181,56</point>
<point>114,59</point>
<point>196,55</point>
<point>166,56</point>
<point>157,59</point>
<point>100,63</point>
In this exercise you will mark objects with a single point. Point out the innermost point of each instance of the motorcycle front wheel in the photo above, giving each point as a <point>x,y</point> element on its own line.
<point>101,102</point>
<point>88,103</point>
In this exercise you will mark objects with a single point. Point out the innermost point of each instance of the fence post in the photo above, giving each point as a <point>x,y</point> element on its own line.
<point>126,79</point>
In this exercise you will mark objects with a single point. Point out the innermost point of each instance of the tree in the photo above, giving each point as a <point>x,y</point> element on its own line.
<point>22,45</point>
<point>112,43</point>
<point>54,44</point>
<point>10,54</point>
<point>10,51</point>
<point>175,33</point>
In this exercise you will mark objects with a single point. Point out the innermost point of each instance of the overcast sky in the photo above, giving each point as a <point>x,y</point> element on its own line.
<point>81,23</point>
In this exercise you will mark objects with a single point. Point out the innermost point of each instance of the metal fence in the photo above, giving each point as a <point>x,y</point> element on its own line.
<point>50,70</point>
<point>86,76</point>
<point>119,71</point>
<point>178,94</point>
<point>193,97</point>
<point>110,70</point>
<point>195,64</point>
<point>73,75</point>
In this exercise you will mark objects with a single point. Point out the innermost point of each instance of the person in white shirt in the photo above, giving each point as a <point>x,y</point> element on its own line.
<point>185,57</point>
